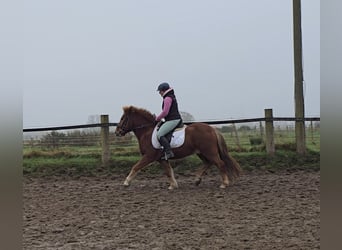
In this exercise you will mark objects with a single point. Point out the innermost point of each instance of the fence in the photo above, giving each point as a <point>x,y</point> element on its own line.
<point>256,133</point>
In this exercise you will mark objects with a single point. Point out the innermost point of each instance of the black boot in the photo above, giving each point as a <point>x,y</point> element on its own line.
<point>166,148</point>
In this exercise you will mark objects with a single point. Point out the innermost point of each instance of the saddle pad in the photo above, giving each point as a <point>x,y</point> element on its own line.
<point>177,140</point>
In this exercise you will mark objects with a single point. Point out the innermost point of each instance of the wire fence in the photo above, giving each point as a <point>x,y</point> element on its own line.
<point>240,135</point>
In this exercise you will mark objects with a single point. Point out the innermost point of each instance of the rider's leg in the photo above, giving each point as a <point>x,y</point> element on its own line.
<point>163,130</point>
<point>166,148</point>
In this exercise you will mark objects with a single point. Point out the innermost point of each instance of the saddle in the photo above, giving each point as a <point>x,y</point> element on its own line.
<point>179,126</point>
<point>176,136</point>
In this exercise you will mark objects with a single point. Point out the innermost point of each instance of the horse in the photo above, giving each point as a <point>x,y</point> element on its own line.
<point>200,138</point>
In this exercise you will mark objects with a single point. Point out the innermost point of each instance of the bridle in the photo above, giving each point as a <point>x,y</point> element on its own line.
<point>124,125</point>
<point>125,122</point>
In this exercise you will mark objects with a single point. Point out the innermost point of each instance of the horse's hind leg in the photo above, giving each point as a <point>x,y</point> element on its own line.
<point>170,174</point>
<point>200,173</point>
<point>222,168</point>
<point>202,170</point>
<point>221,165</point>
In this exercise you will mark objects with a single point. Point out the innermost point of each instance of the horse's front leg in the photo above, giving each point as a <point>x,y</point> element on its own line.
<point>169,172</point>
<point>143,162</point>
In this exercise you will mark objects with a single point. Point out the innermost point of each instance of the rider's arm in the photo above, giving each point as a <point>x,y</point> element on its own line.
<point>166,108</point>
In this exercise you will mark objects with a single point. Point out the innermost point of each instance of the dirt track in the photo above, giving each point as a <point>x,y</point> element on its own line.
<point>260,211</point>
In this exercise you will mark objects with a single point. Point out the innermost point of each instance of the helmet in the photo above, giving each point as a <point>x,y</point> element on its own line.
<point>163,86</point>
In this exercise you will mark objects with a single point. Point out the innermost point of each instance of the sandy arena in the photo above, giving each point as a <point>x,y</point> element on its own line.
<point>261,211</point>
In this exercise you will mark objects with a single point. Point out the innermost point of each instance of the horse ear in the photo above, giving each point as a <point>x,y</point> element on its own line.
<point>126,109</point>
<point>129,109</point>
<point>132,109</point>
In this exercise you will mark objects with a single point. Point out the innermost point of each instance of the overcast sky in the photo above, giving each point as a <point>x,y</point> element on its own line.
<point>225,59</point>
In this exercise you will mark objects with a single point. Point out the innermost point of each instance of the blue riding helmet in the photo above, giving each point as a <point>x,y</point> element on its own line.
<point>163,86</point>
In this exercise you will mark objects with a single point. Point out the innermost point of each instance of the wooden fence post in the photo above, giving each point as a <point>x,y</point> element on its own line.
<point>261,130</point>
<point>105,140</point>
<point>312,131</point>
<point>270,147</point>
<point>237,137</point>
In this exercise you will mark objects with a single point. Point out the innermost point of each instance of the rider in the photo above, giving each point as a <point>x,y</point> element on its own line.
<point>171,115</point>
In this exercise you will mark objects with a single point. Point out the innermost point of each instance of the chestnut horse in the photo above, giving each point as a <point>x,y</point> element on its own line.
<point>200,138</point>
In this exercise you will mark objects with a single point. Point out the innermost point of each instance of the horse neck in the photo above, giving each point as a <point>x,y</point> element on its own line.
<point>142,127</point>
<point>140,132</point>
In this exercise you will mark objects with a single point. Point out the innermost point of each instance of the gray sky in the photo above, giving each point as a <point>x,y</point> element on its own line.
<point>225,59</point>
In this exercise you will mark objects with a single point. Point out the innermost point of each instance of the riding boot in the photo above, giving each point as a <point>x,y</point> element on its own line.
<point>166,148</point>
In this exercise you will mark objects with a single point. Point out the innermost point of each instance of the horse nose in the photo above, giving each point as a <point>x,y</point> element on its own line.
<point>118,132</point>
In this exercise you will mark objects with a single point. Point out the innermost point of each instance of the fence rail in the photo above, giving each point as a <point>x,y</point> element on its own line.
<point>105,140</point>
<point>220,122</point>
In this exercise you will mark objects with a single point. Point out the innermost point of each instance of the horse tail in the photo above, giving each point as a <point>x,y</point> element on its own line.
<point>232,166</point>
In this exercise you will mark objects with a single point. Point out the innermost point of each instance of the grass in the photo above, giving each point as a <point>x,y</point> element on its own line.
<point>280,161</point>
<point>86,160</point>
<point>40,163</point>
<point>60,166</point>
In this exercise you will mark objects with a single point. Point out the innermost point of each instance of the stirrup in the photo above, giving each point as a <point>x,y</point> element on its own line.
<point>167,155</point>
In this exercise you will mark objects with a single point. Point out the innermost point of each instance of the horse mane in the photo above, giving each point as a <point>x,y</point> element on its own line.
<point>143,112</point>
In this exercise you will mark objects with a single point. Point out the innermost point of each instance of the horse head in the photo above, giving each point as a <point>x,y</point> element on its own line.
<point>132,119</point>
<point>124,125</point>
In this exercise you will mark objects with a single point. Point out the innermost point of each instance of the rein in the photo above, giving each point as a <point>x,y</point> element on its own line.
<point>143,126</point>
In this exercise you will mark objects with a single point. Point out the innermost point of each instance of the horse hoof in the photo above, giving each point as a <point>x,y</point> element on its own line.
<point>198,181</point>
<point>126,184</point>
<point>223,186</point>
<point>171,187</point>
